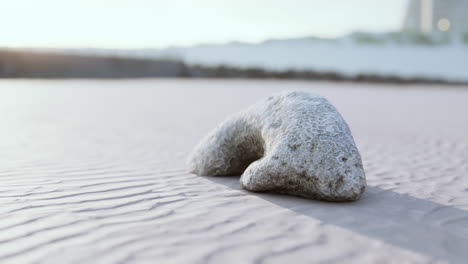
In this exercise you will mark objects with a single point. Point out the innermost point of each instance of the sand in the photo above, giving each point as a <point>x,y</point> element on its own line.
<point>94,172</point>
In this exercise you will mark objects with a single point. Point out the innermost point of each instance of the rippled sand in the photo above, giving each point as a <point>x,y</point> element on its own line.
<point>93,172</point>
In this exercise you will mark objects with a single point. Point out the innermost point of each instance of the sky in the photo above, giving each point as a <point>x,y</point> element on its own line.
<point>163,23</point>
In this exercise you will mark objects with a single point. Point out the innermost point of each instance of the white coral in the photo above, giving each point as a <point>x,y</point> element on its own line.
<point>293,142</point>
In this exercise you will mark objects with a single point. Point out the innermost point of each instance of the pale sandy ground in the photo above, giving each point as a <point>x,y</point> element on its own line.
<point>93,172</point>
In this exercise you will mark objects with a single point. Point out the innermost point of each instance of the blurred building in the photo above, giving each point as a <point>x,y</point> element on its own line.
<point>430,16</point>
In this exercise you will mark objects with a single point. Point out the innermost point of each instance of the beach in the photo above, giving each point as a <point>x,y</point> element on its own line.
<point>93,171</point>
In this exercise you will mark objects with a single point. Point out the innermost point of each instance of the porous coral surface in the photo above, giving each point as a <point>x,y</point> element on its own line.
<point>292,142</point>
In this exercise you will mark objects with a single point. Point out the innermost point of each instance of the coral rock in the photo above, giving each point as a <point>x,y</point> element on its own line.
<point>292,143</point>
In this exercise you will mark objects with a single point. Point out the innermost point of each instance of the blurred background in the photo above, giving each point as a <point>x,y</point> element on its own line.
<point>358,40</point>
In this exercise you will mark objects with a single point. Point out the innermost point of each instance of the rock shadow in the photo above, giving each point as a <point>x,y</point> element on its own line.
<point>428,228</point>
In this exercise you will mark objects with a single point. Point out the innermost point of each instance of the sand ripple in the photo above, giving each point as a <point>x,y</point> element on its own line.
<point>93,172</point>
